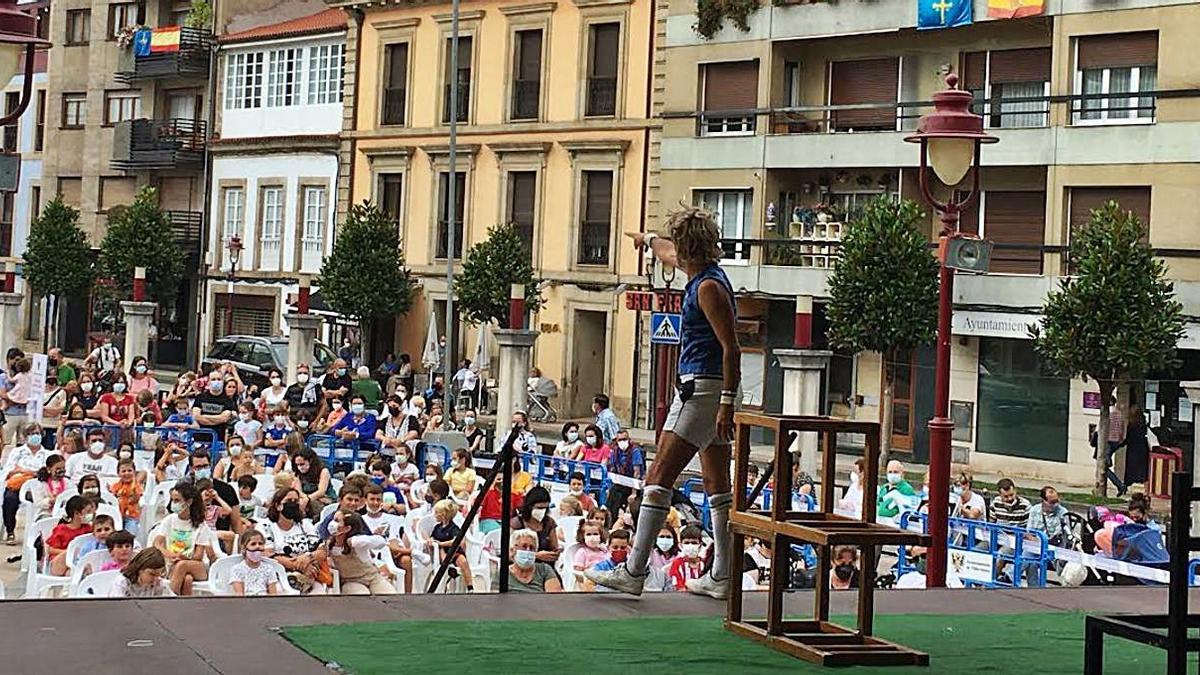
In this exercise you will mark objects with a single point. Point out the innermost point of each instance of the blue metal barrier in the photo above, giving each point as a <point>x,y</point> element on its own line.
<point>433,453</point>
<point>976,537</point>
<point>1193,569</point>
<point>551,469</point>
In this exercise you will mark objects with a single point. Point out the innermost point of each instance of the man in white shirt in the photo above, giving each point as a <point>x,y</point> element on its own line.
<point>94,460</point>
<point>968,504</point>
<point>105,357</point>
<point>466,380</point>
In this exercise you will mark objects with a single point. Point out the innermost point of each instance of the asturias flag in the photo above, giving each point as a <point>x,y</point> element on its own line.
<point>1015,9</point>
<point>944,13</point>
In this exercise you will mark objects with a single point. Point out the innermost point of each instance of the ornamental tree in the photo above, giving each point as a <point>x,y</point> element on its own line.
<point>140,235</point>
<point>1115,318</point>
<point>492,266</point>
<point>364,278</point>
<point>884,292</point>
<point>58,257</point>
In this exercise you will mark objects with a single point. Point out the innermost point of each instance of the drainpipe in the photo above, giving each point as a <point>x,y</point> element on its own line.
<point>197,348</point>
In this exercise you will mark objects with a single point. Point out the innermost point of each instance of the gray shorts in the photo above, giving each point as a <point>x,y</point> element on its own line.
<point>695,420</point>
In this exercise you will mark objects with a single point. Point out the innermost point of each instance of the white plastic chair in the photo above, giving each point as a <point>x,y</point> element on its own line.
<point>112,511</point>
<point>328,509</point>
<point>93,562</point>
<point>265,488</point>
<point>218,575</point>
<point>60,502</point>
<point>160,496</point>
<point>424,565</point>
<point>566,567</point>
<point>97,585</point>
<point>383,556</point>
<point>568,527</point>
<point>37,581</point>
<point>28,508</point>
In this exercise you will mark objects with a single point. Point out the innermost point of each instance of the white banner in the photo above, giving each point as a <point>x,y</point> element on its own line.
<point>37,387</point>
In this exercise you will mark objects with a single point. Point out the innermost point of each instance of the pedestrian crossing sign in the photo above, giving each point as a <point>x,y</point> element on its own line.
<point>664,328</point>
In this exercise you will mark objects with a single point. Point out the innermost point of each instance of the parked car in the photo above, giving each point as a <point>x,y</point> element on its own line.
<point>256,356</point>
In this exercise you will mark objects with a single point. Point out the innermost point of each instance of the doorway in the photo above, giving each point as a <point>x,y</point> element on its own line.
<point>589,335</point>
<point>903,413</point>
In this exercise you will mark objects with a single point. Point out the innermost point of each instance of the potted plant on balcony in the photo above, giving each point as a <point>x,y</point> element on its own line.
<point>199,16</point>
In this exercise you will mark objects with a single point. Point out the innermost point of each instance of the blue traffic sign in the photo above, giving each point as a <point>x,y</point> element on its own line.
<point>664,328</point>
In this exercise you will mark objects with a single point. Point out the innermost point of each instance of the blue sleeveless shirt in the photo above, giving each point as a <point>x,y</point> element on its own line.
<point>700,352</point>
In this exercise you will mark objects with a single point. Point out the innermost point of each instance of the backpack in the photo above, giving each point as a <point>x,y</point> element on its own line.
<point>1140,544</point>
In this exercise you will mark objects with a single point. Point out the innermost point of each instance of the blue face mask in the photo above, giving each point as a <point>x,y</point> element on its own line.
<point>341,372</point>
<point>201,473</point>
<point>378,480</point>
<point>525,559</point>
<point>33,440</point>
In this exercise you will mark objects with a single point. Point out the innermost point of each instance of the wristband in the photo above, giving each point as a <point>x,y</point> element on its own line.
<point>647,239</point>
<point>726,400</point>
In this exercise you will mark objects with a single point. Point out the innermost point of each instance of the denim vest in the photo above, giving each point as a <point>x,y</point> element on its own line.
<point>700,353</point>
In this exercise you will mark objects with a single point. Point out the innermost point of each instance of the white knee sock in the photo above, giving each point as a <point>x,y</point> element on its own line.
<point>656,504</point>
<point>718,507</point>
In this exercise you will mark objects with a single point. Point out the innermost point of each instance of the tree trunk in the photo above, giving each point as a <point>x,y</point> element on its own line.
<point>364,341</point>
<point>1100,486</point>
<point>57,318</point>
<point>885,413</point>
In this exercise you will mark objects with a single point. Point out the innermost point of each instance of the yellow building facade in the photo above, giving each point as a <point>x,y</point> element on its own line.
<point>555,135</point>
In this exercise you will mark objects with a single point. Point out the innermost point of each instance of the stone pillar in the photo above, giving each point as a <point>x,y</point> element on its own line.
<point>302,335</point>
<point>10,320</point>
<point>513,374</point>
<point>137,328</point>
<point>802,395</point>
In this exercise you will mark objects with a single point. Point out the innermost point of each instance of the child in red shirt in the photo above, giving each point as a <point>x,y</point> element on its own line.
<point>77,522</point>
<point>490,510</point>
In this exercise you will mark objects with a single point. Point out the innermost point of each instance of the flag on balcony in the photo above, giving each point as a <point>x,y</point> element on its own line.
<point>141,42</point>
<point>944,13</point>
<point>165,40</point>
<point>1015,9</point>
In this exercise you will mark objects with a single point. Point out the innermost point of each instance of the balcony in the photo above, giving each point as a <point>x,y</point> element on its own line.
<point>526,99</point>
<point>141,145</point>
<point>191,60</point>
<point>187,227</point>
<point>601,97</point>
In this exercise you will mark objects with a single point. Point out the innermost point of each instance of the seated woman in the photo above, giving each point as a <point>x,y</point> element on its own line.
<point>185,540</point>
<point>291,540</point>
<point>535,515</point>
<point>350,548</point>
<point>527,574</point>
<point>316,484</point>
<point>51,481</point>
<point>240,462</point>
<point>143,577</point>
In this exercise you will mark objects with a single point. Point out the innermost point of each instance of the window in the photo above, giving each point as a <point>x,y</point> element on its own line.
<point>527,75</point>
<point>1010,217</point>
<point>316,209</point>
<point>12,99</point>
<point>460,204</point>
<point>272,216</point>
<point>996,78</point>
<point>866,81</point>
<point>326,67</point>
<point>235,212</point>
<point>120,106</point>
<point>74,110</point>
<point>1084,200</point>
<point>595,231</point>
<point>396,88</point>
<point>244,81</point>
<point>733,210</point>
<point>730,93</point>
<point>1021,405</point>
<point>39,132</point>
<point>391,187</point>
<point>283,78</point>
<point>79,26</point>
<point>522,203</point>
<point>35,201</point>
<point>7,200</point>
<point>123,15</point>
<point>1126,63</point>
<point>71,190</point>
<point>604,50</point>
<point>462,80</point>
<point>116,191</point>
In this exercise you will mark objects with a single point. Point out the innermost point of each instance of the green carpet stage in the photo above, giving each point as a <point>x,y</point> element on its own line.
<point>1010,643</point>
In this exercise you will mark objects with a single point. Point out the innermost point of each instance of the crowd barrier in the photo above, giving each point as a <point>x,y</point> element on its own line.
<point>987,554</point>
<point>557,471</point>
<point>693,489</point>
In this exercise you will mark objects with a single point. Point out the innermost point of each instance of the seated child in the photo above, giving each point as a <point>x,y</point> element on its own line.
<point>443,535</point>
<point>251,576</point>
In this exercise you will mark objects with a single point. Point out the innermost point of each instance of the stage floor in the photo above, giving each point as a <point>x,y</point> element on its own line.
<point>235,635</point>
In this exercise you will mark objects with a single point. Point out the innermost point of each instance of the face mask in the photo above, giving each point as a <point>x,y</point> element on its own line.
<point>275,381</point>
<point>341,372</point>
<point>378,480</point>
<point>215,386</point>
<point>591,440</point>
<point>91,491</point>
<point>302,378</point>
<point>690,550</point>
<point>254,556</point>
<point>957,491</point>
<point>402,459</point>
<point>893,478</point>
<point>140,368</point>
<point>203,472</point>
<point>664,544</point>
<point>245,417</point>
<point>357,408</point>
<point>291,511</point>
<point>619,556</point>
<point>844,571</point>
<point>577,493</point>
<point>538,514</point>
<point>34,440</point>
<point>124,454</point>
<point>176,507</point>
<point>88,517</point>
<point>525,559</point>
<point>624,445</point>
<point>235,450</point>
<point>119,388</point>
<point>393,411</point>
<point>337,405</point>
<point>572,436</point>
<point>592,540</point>
<point>280,420</point>
<point>96,447</point>
<point>87,386</point>
<point>469,421</point>
<point>303,424</point>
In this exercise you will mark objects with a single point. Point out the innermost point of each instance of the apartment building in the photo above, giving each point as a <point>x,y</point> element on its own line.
<point>555,136</point>
<point>274,169</point>
<point>787,128</point>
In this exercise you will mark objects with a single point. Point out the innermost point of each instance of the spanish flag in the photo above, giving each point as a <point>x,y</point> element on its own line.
<point>167,39</point>
<point>1014,9</point>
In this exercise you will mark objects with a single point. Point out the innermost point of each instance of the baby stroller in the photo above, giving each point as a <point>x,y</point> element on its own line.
<point>1142,553</point>
<point>540,391</point>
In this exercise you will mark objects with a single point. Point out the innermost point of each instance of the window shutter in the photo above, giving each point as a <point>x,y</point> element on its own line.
<point>1021,65</point>
<point>605,41</point>
<point>521,206</point>
<point>731,86</point>
<point>974,70</point>
<point>1015,218</point>
<point>529,66</point>
<point>968,218</point>
<point>868,81</point>
<point>1086,199</point>
<point>598,207</point>
<point>398,65</point>
<point>1121,50</point>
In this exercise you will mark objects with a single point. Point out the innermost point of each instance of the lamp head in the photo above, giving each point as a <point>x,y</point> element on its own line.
<point>235,249</point>
<point>950,134</point>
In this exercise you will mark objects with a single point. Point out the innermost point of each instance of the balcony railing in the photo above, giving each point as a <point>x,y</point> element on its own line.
<point>187,227</point>
<point>393,105</point>
<point>526,99</point>
<point>191,60</point>
<point>441,240</point>
<point>464,102</point>
<point>594,240</point>
<point>140,145</point>
<point>601,96</point>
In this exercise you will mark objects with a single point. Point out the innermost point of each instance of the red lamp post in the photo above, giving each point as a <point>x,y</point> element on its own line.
<point>950,139</point>
<point>234,245</point>
<point>18,39</point>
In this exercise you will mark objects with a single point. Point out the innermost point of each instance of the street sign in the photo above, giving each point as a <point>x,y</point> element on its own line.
<point>639,301</point>
<point>664,328</point>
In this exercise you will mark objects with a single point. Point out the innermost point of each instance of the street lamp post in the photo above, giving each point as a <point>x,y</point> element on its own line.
<point>234,245</point>
<point>950,139</point>
<point>18,38</point>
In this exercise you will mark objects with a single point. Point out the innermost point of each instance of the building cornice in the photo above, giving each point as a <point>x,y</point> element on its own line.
<point>536,8</point>
<point>274,145</point>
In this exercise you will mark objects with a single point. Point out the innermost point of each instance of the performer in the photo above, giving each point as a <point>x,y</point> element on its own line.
<point>701,416</point>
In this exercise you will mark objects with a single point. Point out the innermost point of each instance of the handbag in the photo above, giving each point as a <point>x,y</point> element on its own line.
<point>17,479</point>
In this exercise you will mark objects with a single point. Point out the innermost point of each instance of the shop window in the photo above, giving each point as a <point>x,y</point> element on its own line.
<point>1023,408</point>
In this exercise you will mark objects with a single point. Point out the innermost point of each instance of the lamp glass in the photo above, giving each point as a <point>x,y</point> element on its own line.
<point>951,158</point>
<point>10,60</point>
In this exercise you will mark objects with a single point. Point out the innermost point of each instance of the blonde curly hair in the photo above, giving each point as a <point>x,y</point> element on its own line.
<point>696,235</point>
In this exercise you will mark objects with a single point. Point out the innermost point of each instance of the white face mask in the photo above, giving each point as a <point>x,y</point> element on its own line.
<point>280,420</point>
<point>572,436</point>
<point>96,447</point>
<point>592,540</point>
<point>538,514</point>
<point>302,378</point>
<point>624,445</point>
<point>591,440</point>
<point>275,381</point>
<point>664,544</point>
<point>690,550</point>
<point>87,386</point>
<point>245,417</point>
<point>577,493</point>
<point>303,424</point>
<point>337,405</point>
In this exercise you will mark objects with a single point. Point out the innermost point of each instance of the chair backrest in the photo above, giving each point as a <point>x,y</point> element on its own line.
<point>218,573</point>
<point>265,489</point>
<point>328,509</point>
<point>569,526</point>
<point>73,549</point>
<point>425,527</point>
<point>88,565</point>
<point>26,493</point>
<point>110,511</point>
<point>491,543</point>
<point>336,484</point>
<point>97,585</point>
<point>159,497</point>
<point>281,577</point>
